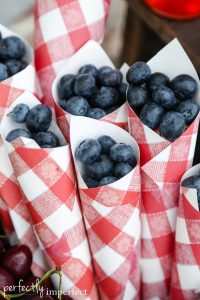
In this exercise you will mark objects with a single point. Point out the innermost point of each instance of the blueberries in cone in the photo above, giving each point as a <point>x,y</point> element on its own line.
<point>3,72</point>
<point>11,48</point>
<point>105,97</point>
<point>88,151</point>
<point>15,66</point>
<point>89,70</point>
<point>151,114</point>
<point>16,133</point>
<point>172,125</point>
<point>85,85</point>
<point>107,180</point>
<point>112,78</point>
<point>39,118</point>
<point>165,97</point>
<point>184,86</point>
<point>157,80</point>
<point>77,106</point>
<point>121,169</point>
<point>102,167</point>
<point>46,139</point>
<point>106,143</point>
<point>66,86</point>
<point>91,182</point>
<point>137,96</point>
<point>6,279</point>
<point>138,73</point>
<point>194,183</point>
<point>96,113</point>
<point>189,109</point>
<point>19,113</point>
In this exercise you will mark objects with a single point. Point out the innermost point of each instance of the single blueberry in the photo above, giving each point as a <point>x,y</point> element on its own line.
<point>39,118</point>
<point>121,152</point>
<point>47,138</point>
<point>121,169</point>
<point>172,125</point>
<point>122,91</point>
<point>88,151</point>
<point>85,85</point>
<point>184,86</point>
<point>106,143</point>
<point>77,106</point>
<point>63,104</point>
<point>89,70</point>
<point>15,66</point>
<point>3,72</point>
<point>91,182</point>
<point>102,167</point>
<point>192,182</point>
<point>107,180</point>
<point>105,69</point>
<point>151,114</point>
<point>157,80</point>
<point>189,109</point>
<point>96,113</point>
<point>106,96</point>
<point>12,47</point>
<point>112,78</point>
<point>138,73</point>
<point>14,134</point>
<point>164,96</point>
<point>137,96</point>
<point>65,86</point>
<point>19,113</point>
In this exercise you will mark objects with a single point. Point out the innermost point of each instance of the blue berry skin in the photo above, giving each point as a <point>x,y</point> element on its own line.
<point>102,167</point>
<point>105,97</point>
<point>137,96</point>
<point>107,180</point>
<point>20,113</point>
<point>85,85</point>
<point>157,80</point>
<point>122,91</point>
<point>46,139</point>
<point>184,86</point>
<point>138,73</point>
<point>91,182</point>
<point>194,183</point>
<point>105,69</point>
<point>106,143</point>
<point>122,169</point>
<point>89,70</point>
<point>111,78</point>
<point>189,109</point>
<point>88,151</point>
<point>39,118</point>
<point>96,113</point>
<point>151,114</point>
<point>65,86</point>
<point>14,134</point>
<point>12,48</point>
<point>62,103</point>
<point>15,66</point>
<point>165,97</point>
<point>121,152</point>
<point>3,72</point>
<point>172,125</point>
<point>77,106</point>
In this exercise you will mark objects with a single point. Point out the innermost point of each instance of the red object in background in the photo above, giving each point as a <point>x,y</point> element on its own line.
<point>176,9</point>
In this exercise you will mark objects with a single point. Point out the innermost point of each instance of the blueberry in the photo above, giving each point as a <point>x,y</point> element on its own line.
<point>11,47</point>
<point>112,78</point>
<point>194,183</point>
<point>106,96</point>
<point>137,96</point>
<point>19,113</point>
<point>102,167</point>
<point>112,108</point>
<point>122,169</point>
<point>106,143</point>
<point>65,86</point>
<point>14,134</point>
<point>122,91</point>
<point>91,182</point>
<point>85,85</point>
<point>138,73</point>
<point>164,96</point>
<point>96,113</point>
<point>15,66</point>
<point>107,180</point>
<point>39,118</point>
<point>77,106</point>
<point>151,114</point>
<point>121,152</point>
<point>157,80</point>
<point>3,72</point>
<point>184,86</point>
<point>46,139</point>
<point>188,109</point>
<point>88,151</point>
<point>63,104</point>
<point>172,125</point>
<point>89,70</point>
<point>105,69</point>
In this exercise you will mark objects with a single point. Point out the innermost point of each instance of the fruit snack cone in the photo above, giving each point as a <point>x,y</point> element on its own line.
<point>163,163</point>
<point>185,283</point>
<point>47,179</point>
<point>61,28</point>
<point>6,223</point>
<point>90,53</point>
<point>111,215</point>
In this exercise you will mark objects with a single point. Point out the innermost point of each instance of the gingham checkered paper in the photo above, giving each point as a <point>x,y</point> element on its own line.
<point>47,179</point>
<point>62,27</point>
<point>162,166</point>
<point>185,283</point>
<point>111,215</point>
<point>90,53</point>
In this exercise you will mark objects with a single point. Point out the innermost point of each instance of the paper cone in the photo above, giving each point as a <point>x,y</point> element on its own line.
<point>162,165</point>
<point>111,215</point>
<point>62,27</point>
<point>185,284</point>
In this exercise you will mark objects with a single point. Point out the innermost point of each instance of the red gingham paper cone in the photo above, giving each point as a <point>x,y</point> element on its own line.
<point>62,27</point>
<point>90,53</point>
<point>162,165</point>
<point>7,224</point>
<point>185,284</point>
<point>111,215</point>
<point>48,181</point>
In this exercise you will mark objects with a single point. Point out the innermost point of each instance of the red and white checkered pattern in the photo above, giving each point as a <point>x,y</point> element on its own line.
<point>62,27</point>
<point>185,283</point>
<point>162,165</point>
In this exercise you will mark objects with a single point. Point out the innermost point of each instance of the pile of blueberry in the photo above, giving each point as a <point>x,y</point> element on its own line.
<point>12,51</point>
<point>37,120</point>
<point>160,103</point>
<point>93,92</point>
<point>104,160</point>
<point>193,182</point>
